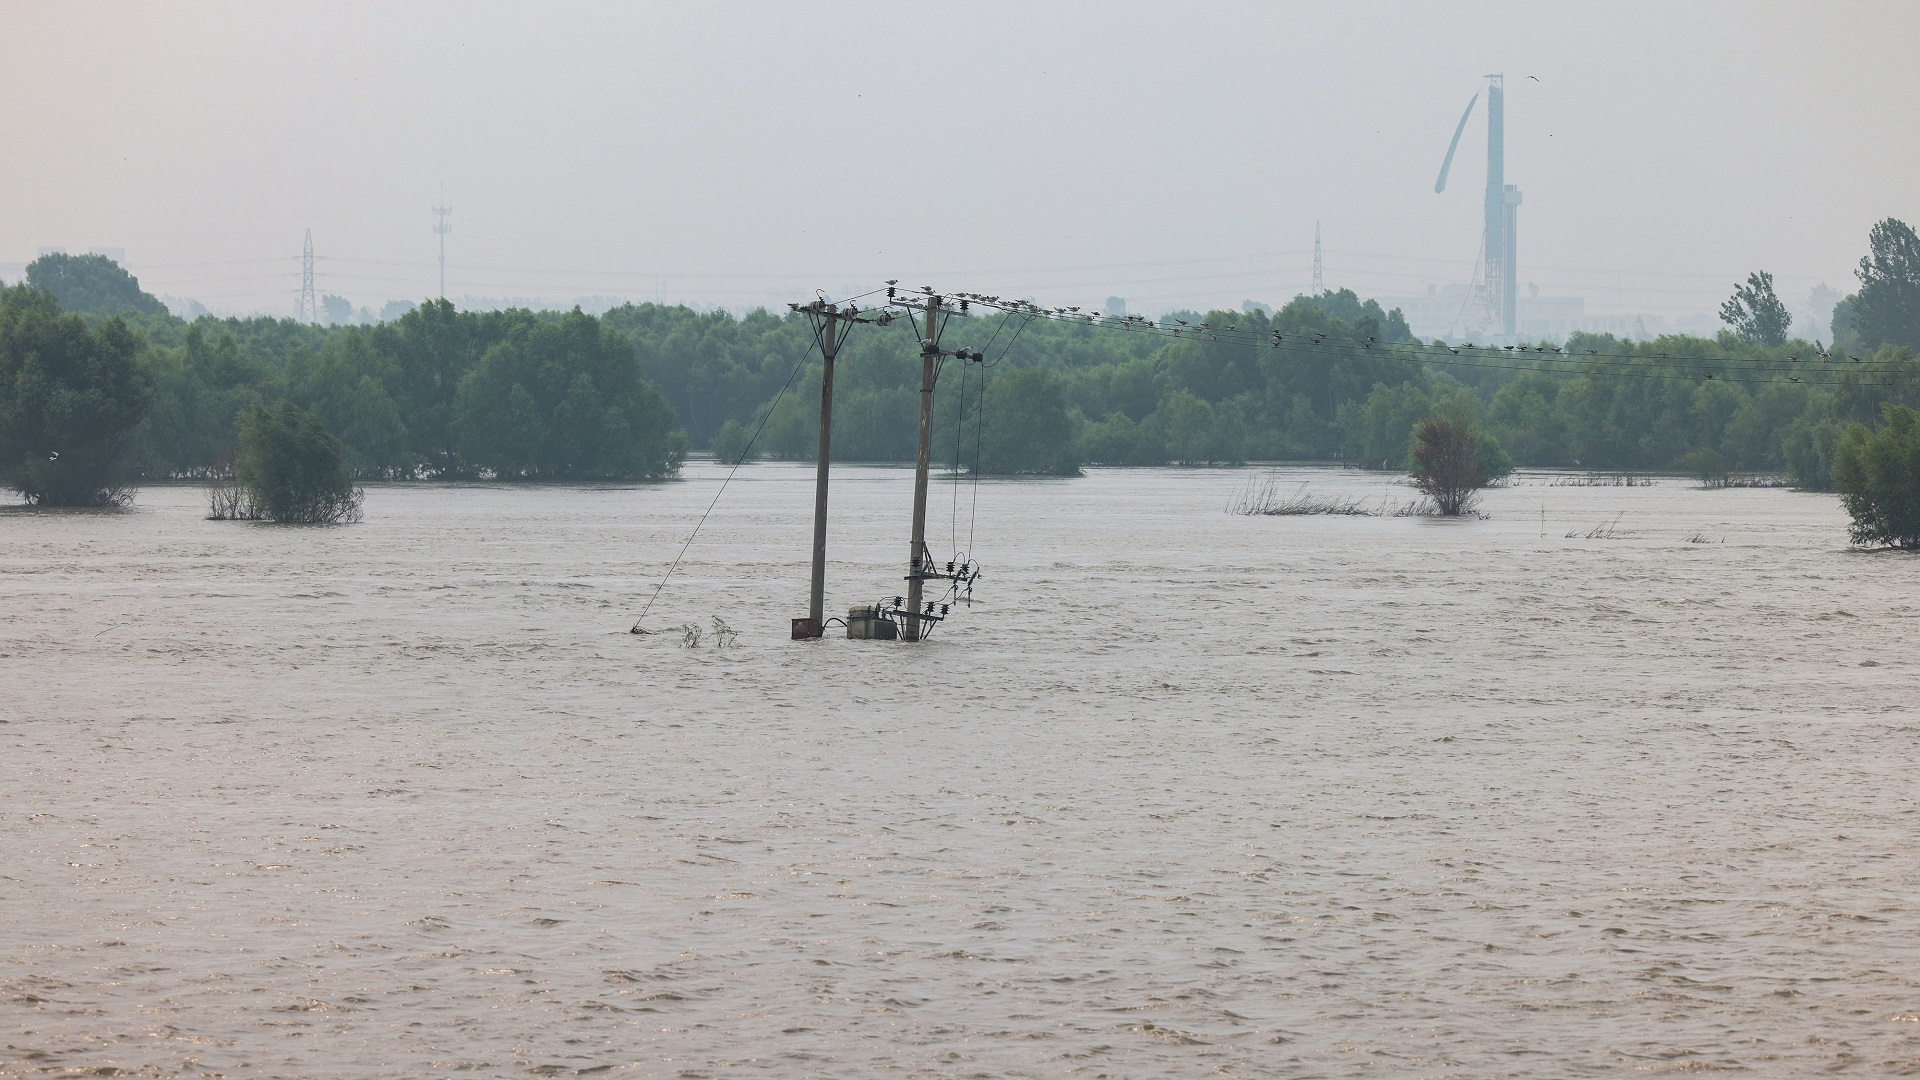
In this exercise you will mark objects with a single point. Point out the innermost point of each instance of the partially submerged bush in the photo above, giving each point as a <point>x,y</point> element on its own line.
<point>226,499</point>
<point>1877,473</point>
<point>1267,499</point>
<point>291,469</point>
<point>1452,461</point>
<point>1708,467</point>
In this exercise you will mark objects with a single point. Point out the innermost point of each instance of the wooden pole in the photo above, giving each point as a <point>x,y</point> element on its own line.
<point>830,339</point>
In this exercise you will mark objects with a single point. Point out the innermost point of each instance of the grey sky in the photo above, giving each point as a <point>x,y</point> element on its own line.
<point>1177,155</point>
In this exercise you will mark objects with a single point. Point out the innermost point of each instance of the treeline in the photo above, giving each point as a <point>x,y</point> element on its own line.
<point>1061,394</point>
<point>436,393</point>
<point>442,393</point>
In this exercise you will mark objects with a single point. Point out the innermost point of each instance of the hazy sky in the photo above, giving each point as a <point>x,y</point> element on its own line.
<point>1177,155</point>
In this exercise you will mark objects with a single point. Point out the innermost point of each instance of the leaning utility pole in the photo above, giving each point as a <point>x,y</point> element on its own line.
<point>831,325</point>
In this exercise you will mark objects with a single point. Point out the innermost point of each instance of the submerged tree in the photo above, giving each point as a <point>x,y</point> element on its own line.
<point>1756,313</point>
<point>292,470</point>
<point>1878,475</point>
<point>70,397</point>
<point>1450,463</point>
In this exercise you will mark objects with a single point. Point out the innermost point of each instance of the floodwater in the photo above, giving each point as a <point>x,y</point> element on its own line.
<point>1186,794</point>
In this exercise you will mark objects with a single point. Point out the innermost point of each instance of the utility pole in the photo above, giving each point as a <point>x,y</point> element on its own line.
<point>831,325</point>
<point>929,374</point>
<point>441,226</point>
<point>934,313</point>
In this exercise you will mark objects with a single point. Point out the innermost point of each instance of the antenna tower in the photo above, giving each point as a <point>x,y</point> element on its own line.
<point>1319,285</point>
<point>441,226</point>
<point>309,310</point>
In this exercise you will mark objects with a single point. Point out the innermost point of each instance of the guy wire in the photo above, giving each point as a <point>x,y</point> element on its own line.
<point>723,484</point>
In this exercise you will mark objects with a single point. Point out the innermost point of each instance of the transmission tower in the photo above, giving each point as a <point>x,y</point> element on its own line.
<point>309,303</point>
<point>442,227</point>
<point>1319,285</point>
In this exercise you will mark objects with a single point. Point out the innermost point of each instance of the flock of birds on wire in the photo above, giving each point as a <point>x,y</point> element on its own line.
<point>1852,370</point>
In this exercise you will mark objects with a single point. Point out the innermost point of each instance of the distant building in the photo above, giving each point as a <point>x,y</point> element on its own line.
<point>1456,313</point>
<point>1549,318</point>
<point>1116,306</point>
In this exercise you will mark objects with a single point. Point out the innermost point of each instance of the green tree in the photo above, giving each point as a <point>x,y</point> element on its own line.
<point>1708,466</point>
<point>1877,473</point>
<point>1755,313</point>
<point>1449,464</point>
<point>70,397</point>
<point>565,400</point>
<point>1118,440</point>
<point>345,386</point>
<point>1376,434</point>
<point>1886,310</point>
<point>732,444</point>
<point>292,470</point>
<point>1185,422</point>
<point>1523,419</point>
<point>1028,427</point>
<point>91,285</point>
<point>1807,447</point>
<point>200,388</point>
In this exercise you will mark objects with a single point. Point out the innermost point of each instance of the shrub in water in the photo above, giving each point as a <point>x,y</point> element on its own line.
<point>1878,476</point>
<point>1709,467</point>
<point>292,469</point>
<point>1451,463</point>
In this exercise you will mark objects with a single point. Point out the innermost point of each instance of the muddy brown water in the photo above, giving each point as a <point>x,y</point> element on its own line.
<point>1185,794</point>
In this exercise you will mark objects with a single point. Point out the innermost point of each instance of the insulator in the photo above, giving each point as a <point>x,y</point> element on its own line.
<point>944,608</point>
<point>949,568</point>
<point>889,292</point>
<point>898,600</point>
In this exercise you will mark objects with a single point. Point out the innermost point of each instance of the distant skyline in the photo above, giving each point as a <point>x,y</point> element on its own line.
<point>748,154</point>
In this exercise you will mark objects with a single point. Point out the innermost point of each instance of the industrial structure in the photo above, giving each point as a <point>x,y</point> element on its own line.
<point>309,311</point>
<point>442,227</point>
<point>1499,277</point>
